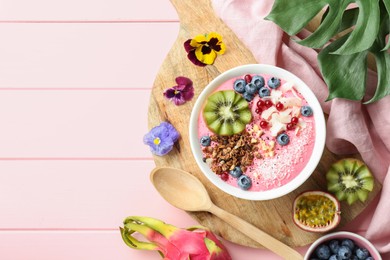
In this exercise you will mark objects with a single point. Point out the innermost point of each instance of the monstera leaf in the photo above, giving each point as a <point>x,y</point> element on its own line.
<point>343,62</point>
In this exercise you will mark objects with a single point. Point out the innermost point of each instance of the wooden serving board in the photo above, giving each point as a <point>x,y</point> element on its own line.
<point>274,216</point>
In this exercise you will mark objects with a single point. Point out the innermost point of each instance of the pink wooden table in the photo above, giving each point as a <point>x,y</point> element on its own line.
<point>75,80</point>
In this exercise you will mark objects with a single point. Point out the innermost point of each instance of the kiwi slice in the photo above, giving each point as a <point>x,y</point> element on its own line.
<point>350,179</point>
<point>226,112</point>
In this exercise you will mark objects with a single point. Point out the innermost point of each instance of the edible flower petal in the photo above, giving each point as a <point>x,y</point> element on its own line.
<point>183,92</point>
<point>161,138</point>
<point>203,49</point>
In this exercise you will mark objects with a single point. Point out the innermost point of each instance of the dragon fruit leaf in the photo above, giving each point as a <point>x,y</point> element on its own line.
<point>148,232</point>
<point>292,16</point>
<point>349,79</point>
<point>366,29</point>
<point>163,228</point>
<point>329,26</point>
<point>136,244</point>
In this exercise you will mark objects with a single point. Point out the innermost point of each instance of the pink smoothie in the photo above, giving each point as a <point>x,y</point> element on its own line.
<point>278,164</point>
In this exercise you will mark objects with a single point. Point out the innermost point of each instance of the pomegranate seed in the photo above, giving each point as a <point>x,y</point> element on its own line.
<point>279,106</point>
<point>268,103</point>
<point>263,124</point>
<point>294,120</point>
<point>258,110</point>
<point>290,126</point>
<point>224,176</point>
<point>248,78</point>
<point>260,103</point>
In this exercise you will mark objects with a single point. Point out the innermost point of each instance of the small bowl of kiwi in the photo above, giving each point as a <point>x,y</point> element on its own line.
<point>257,132</point>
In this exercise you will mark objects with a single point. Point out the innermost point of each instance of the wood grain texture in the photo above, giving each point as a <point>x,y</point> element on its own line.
<point>275,216</point>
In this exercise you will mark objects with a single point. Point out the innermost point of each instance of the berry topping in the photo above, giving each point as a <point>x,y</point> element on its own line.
<point>273,82</point>
<point>263,124</point>
<point>248,78</point>
<point>224,176</point>
<point>239,86</point>
<point>306,111</point>
<point>250,88</point>
<point>290,126</point>
<point>268,103</point>
<point>260,103</point>
<point>258,110</point>
<point>248,97</point>
<point>205,140</point>
<point>258,81</point>
<point>283,139</point>
<point>279,106</point>
<point>294,120</point>
<point>236,172</point>
<point>264,92</point>
<point>244,182</point>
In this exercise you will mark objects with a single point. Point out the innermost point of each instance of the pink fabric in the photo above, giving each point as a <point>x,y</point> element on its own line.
<point>351,127</point>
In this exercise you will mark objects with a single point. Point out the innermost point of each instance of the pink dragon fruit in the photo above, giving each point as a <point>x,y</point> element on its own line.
<point>173,243</point>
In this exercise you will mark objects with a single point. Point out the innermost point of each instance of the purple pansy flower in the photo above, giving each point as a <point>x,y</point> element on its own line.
<point>184,91</point>
<point>161,138</point>
<point>203,49</point>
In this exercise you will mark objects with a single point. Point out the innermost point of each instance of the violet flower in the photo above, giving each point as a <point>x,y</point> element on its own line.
<point>161,138</point>
<point>183,92</point>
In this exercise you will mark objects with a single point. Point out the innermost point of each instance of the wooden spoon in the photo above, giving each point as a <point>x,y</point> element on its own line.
<point>186,192</point>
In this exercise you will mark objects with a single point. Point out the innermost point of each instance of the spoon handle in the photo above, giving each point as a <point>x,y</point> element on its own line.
<point>256,234</point>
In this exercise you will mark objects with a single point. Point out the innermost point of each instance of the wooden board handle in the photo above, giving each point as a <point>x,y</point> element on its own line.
<point>256,234</point>
<point>200,10</point>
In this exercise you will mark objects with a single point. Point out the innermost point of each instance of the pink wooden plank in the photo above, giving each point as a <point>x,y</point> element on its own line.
<point>118,10</point>
<point>79,55</point>
<point>73,124</point>
<point>79,195</point>
<point>100,245</point>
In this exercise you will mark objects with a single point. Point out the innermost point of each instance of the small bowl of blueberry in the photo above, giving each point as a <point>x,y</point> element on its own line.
<point>342,245</point>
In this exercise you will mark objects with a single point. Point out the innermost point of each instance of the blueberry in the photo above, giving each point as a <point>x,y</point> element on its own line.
<point>362,253</point>
<point>370,258</point>
<point>244,182</point>
<point>205,140</point>
<point>248,97</point>
<point>306,111</point>
<point>258,81</point>
<point>349,243</point>
<point>333,257</point>
<point>323,252</point>
<point>283,139</point>
<point>239,86</point>
<point>236,172</point>
<point>344,253</point>
<point>273,82</point>
<point>264,92</point>
<point>250,88</point>
<point>334,246</point>
<point>354,257</point>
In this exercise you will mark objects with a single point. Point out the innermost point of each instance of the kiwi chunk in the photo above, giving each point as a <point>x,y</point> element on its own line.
<point>226,112</point>
<point>350,179</point>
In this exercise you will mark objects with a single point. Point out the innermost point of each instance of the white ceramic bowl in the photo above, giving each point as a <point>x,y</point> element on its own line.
<point>319,135</point>
<point>359,240</point>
